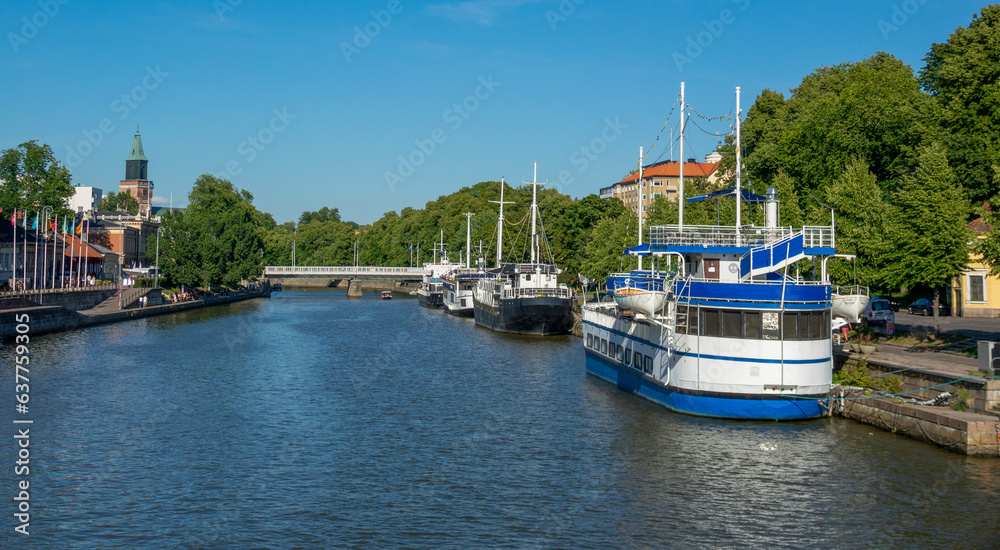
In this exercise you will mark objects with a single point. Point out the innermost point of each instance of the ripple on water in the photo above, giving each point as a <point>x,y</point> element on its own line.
<point>316,421</point>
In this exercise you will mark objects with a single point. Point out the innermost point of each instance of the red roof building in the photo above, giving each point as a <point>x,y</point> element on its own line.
<point>660,179</point>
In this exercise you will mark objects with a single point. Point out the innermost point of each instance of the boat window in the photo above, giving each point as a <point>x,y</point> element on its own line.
<point>804,325</point>
<point>638,360</point>
<point>710,322</point>
<point>590,340</point>
<point>732,324</point>
<point>789,326</point>
<point>619,353</point>
<point>649,365</point>
<point>769,327</point>
<point>816,325</point>
<point>604,346</point>
<point>751,324</point>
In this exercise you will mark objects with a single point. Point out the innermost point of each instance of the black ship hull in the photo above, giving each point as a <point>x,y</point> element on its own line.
<point>432,300</point>
<point>540,315</point>
<point>459,312</point>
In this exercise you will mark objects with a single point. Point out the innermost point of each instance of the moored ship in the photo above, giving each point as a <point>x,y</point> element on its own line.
<point>722,330</point>
<point>523,298</point>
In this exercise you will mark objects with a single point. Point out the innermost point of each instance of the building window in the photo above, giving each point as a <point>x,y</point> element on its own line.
<point>977,287</point>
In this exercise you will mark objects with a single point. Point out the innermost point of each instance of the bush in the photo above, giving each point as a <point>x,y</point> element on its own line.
<point>145,282</point>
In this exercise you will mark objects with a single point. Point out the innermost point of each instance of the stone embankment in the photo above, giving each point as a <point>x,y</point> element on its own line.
<point>69,310</point>
<point>926,375</point>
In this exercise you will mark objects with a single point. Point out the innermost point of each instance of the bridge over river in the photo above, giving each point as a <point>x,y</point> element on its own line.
<point>395,277</point>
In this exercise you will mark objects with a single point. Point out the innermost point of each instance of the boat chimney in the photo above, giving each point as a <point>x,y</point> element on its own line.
<point>771,208</point>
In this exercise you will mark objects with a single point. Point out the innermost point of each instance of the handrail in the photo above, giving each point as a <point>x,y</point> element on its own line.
<point>326,270</point>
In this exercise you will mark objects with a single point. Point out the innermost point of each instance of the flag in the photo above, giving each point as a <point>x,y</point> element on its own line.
<point>72,226</point>
<point>64,226</point>
<point>24,223</point>
<point>34,224</point>
<point>79,227</point>
<point>13,218</point>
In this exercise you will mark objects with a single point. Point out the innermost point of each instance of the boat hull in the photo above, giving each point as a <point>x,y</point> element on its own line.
<point>849,306</point>
<point>746,407</point>
<point>431,300</point>
<point>541,315</point>
<point>459,311</point>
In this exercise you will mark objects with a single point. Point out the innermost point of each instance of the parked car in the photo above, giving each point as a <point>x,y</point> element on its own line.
<point>924,306</point>
<point>878,313</point>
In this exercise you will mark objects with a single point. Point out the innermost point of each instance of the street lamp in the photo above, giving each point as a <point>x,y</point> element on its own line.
<point>159,231</point>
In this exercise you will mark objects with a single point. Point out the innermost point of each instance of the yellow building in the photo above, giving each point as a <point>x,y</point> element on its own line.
<point>976,293</point>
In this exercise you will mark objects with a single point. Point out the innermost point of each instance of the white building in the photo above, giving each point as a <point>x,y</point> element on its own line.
<point>85,199</point>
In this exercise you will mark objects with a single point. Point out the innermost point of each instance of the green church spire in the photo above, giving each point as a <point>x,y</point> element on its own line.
<point>136,153</point>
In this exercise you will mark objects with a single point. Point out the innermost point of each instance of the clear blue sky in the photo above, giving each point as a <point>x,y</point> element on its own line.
<point>311,104</point>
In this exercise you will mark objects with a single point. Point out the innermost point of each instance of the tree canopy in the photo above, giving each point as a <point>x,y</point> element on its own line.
<point>119,202</point>
<point>31,178</point>
<point>217,239</point>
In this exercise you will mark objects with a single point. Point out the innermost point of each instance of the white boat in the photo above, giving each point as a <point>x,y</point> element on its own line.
<point>849,302</point>
<point>737,336</point>
<point>642,291</point>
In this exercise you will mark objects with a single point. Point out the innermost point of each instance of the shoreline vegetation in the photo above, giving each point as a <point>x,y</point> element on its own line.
<point>903,160</point>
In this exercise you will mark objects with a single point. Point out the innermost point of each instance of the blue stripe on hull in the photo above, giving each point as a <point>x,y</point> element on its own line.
<point>717,407</point>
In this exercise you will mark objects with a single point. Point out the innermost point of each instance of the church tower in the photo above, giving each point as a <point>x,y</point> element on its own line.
<point>136,182</point>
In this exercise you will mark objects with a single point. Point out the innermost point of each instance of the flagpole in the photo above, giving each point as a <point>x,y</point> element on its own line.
<point>24,255</point>
<point>45,249</point>
<point>34,272</point>
<point>62,260</point>
<point>13,265</point>
<point>55,243</point>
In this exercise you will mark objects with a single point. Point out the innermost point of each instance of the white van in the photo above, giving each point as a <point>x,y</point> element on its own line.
<point>878,313</point>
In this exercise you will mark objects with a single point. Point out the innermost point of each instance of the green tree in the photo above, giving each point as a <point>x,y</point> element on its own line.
<point>31,178</point>
<point>932,240</point>
<point>872,110</point>
<point>863,223</point>
<point>119,202</point>
<point>217,239</point>
<point>963,74</point>
<point>324,214</point>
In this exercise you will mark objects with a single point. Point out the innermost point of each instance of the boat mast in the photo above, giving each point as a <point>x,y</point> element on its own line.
<point>739,192</point>
<point>639,194</point>
<point>680,184</point>
<point>534,214</point>
<point>468,239</point>
<point>500,223</point>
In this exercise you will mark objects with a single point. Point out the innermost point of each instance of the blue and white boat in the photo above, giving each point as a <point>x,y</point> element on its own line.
<point>733,333</point>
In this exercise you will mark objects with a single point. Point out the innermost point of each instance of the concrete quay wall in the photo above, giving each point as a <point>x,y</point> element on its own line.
<point>366,284</point>
<point>49,319</point>
<point>965,433</point>
<point>985,394</point>
<point>73,300</point>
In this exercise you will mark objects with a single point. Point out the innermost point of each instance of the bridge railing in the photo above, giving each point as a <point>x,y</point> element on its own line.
<point>327,271</point>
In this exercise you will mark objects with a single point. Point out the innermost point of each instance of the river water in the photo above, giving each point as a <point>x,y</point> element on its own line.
<point>311,420</point>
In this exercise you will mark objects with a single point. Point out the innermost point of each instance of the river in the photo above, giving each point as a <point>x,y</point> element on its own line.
<point>316,421</point>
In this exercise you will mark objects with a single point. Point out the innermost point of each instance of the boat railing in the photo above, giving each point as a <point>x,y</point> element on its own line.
<point>557,292</point>
<point>745,236</point>
<point>850,290</point>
